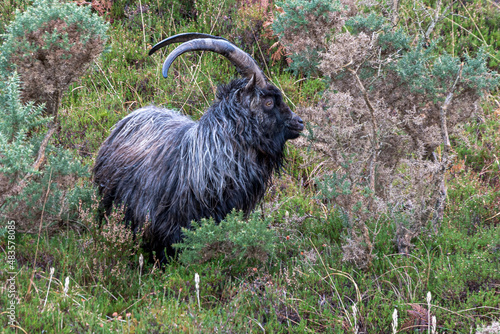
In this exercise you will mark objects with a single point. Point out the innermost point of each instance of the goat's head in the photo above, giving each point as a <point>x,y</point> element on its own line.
<point>263,100</point>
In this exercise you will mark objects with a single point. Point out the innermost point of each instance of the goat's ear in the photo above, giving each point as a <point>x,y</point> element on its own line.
<point>246,94</point>
<point>250,87</point>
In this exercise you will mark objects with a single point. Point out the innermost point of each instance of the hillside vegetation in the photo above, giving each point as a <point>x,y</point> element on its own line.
<point>385,218</point>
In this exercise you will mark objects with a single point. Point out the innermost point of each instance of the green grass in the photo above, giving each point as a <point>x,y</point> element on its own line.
<point>305,287</point>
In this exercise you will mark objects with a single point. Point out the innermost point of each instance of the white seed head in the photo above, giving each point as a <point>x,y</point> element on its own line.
<point>395,321</point>
<point>66,285</point>
<point>197,280</point>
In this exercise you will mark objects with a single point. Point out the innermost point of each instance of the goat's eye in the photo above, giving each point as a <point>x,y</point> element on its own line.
<point>269,103</point>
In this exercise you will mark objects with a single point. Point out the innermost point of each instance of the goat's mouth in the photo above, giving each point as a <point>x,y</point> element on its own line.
<point>294,130</point>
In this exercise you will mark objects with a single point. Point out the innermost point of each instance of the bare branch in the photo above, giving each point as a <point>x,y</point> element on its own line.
<point>43,147</point>
<point>373,120</point>
<point>395,12</point>
<point>437,18</point>
<point>445,160</point>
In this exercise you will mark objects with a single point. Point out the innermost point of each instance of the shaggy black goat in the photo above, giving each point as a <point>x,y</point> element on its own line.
<point>166,168</point>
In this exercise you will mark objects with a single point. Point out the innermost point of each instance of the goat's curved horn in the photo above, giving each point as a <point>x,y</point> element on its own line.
<point>181,38</point>
<point>244,63</point>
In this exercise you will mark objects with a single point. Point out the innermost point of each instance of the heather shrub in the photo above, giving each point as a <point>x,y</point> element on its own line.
<point>111,248</point>
<point>383,126</point>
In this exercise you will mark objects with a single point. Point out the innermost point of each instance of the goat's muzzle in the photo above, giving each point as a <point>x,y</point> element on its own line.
<point>294,126</point>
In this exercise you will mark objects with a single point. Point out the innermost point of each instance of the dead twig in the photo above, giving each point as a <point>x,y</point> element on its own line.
<point>39,232</point>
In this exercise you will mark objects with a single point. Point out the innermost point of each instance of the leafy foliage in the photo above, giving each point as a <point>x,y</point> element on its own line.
<point>51,44</point>
<point>236,238</point>
<point>24,186</point>
<point>17,122</point>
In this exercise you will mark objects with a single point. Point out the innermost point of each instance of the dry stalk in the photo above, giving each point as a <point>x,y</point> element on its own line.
<point>43,147</point>
<point>39,232</point>
<point>436,18</point>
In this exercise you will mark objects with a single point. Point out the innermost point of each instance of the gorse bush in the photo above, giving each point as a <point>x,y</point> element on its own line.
<point>301,25</point>
<point>46,48</point>
<point>384,123</point>
<point>235,238</point>
<point>28,186</point>
<point>50,45</point>
<point>16,124</point>
<point>467,25</point>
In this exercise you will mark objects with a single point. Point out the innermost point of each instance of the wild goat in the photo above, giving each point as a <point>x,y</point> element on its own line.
<point>169,170</point>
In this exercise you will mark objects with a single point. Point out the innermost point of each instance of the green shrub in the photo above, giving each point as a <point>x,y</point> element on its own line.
<point>50,45</point>
<point>16,124</point>
<point>300,25</point>
<point>28,188</point>
<point>235,239</point>
<point>46,48</point>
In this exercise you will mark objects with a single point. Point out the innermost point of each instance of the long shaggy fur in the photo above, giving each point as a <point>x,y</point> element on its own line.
<point>168,169</point>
